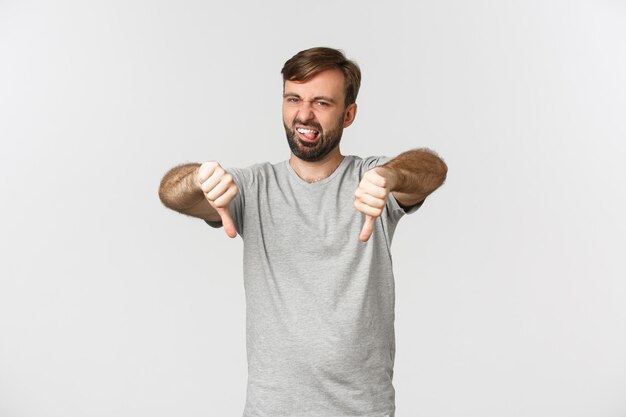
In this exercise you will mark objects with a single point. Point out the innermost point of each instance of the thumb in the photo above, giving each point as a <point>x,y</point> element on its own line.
<point>227,221</point>
<point>368,228</point>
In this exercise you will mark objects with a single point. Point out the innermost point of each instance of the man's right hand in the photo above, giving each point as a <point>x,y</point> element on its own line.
<point>219,188</point>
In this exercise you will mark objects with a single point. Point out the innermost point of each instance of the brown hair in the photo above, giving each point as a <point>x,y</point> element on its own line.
<point>310,62</point>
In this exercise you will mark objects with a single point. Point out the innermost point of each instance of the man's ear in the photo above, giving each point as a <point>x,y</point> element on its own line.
<point>350,115</point>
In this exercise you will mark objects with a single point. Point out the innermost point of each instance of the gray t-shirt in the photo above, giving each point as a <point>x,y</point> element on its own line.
<point>319,302</point>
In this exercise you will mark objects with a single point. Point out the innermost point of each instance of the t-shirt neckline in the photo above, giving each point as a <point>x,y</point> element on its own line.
<point>336,172</point>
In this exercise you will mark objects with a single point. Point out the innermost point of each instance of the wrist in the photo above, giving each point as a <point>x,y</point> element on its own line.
<point>391,177</point>
<point>192,190</point>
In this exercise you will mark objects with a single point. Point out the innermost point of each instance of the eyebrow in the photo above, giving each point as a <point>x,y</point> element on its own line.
<point>325,98</point>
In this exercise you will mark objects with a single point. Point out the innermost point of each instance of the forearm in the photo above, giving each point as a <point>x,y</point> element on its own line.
<point>416,174</point>
<point>180,191</point>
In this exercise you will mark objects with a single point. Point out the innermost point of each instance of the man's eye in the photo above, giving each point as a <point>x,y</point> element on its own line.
<point>322,103</point>
<point>293,100</point>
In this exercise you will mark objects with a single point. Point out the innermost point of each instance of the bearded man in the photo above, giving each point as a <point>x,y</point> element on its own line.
<point>317,232</point>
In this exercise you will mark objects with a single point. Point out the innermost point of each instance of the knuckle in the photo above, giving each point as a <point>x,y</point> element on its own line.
<point>206,169</point>
<point>213,194</point>
<point>201,174</point>
<point>222,202</point>
<point>208,166</point>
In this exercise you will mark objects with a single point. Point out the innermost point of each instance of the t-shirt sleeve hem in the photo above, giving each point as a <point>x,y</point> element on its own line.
<point>411,209</point>
<point>215,225</point>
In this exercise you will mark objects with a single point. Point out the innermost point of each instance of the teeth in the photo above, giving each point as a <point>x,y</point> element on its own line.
<point>302,130</point>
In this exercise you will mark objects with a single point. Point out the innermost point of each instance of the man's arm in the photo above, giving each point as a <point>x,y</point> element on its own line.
<point>202,191</point>
<point>414,175</point>
<point>411,177</point>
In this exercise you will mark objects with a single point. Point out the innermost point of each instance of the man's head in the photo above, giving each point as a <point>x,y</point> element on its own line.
<point>320,87</point>
<point>306,64</point>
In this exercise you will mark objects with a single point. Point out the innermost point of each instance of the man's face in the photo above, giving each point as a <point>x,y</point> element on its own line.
<point>314,114</point>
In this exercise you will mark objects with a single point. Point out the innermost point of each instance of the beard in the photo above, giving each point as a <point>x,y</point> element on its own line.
<point>312,152</point>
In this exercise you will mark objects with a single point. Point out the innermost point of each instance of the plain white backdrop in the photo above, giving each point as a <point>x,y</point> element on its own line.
<point>511,279</point>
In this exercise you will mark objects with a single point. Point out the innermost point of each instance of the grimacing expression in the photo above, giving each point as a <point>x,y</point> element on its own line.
<point>321,142</point>
<point>314,114</point>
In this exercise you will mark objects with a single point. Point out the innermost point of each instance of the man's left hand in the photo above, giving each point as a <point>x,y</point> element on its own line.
<point>371,197</point>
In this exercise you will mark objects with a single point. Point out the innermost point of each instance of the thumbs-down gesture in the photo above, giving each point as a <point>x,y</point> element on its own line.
<point>371,197</point>
<point>219,188</point>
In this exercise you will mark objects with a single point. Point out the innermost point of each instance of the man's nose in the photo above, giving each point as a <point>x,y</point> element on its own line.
<point>306,111</point>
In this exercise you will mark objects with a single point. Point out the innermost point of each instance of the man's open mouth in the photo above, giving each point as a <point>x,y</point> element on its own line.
<point>307,134</point>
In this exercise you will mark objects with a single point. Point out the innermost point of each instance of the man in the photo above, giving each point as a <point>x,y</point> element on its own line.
<point>317,266</point>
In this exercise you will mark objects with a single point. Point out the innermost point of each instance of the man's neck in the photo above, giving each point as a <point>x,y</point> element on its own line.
<point>318,170</point>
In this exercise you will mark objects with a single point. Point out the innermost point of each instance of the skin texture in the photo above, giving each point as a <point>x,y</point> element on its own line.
<point>206,190</point>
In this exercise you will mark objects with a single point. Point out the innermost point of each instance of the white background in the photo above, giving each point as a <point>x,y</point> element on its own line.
<point>511,280</point>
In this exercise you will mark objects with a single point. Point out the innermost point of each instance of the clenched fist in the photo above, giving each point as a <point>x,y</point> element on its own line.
<point>219,188</point>
<point>371,197</point>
